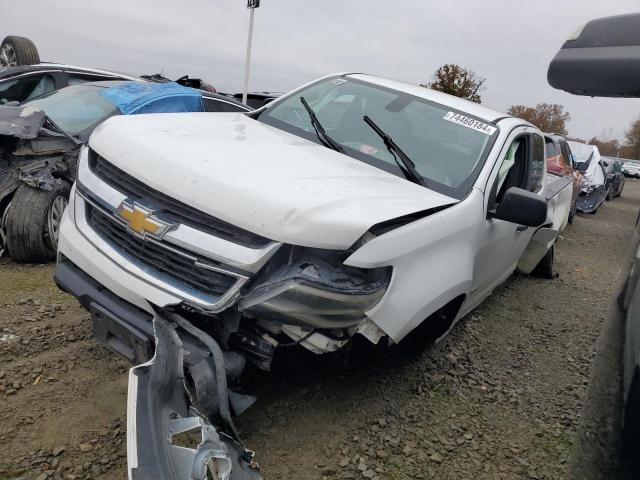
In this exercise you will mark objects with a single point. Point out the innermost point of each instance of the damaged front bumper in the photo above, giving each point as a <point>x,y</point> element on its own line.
<point>179,422</point>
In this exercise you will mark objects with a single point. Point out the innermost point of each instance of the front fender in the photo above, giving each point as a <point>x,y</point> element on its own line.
<point>432,260</point>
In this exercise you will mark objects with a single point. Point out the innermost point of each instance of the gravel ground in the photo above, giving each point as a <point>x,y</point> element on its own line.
<point>498,398</point>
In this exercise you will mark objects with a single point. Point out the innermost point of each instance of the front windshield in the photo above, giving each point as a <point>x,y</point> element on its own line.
<point>446,146</point>
<point>75,108</point>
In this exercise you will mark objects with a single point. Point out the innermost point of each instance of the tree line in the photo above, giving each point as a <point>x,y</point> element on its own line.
<point>551,118</point>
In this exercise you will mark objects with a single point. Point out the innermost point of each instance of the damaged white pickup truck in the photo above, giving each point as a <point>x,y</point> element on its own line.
<point>354,205</point>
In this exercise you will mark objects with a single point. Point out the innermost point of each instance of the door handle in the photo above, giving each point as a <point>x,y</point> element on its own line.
<point>521,228</point>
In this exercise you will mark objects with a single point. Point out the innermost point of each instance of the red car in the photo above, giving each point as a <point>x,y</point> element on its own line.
<point>560,162</point>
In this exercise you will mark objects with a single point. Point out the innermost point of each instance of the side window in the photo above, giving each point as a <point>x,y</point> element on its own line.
<point>522,165</point>
<point>513,167</point>
<point>566,154</point>
<point>76,78</point>
<point>213,105</point>
<point>617,167</point>
<point>26,87</point>
<point>552,150</point>
<point>535,169</point>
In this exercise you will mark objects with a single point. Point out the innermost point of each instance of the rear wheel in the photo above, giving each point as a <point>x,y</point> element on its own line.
<point>33,222</point>
<point>16,51</point>
<point>572,215</point>
<point>544,269</point>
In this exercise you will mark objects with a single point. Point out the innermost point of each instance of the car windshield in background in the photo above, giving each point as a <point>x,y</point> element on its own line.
<point>75,108</point>
<point>446,151</point>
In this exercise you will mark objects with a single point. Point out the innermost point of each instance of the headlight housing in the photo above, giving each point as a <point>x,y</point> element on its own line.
<point>313,287</point>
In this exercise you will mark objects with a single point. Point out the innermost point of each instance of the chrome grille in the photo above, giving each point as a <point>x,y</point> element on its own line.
<point>175,266</point>
<point>174,210</point>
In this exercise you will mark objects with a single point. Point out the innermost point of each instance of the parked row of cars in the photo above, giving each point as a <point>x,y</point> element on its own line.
<point>595,178</point>
<point>200,240</point>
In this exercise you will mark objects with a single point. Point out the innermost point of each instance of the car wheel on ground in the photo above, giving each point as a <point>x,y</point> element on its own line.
<point>572,215</point>
<point>33,222</point>
<point>16,51</point>
<point>544,269</point>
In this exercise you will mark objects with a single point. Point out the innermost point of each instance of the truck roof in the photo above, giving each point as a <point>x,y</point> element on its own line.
<point>474,109</point>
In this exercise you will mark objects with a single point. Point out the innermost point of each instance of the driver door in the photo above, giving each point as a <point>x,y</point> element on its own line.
<point>520,164</point>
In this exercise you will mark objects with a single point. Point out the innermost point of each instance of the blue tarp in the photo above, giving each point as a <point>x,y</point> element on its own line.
<point>138,97</point>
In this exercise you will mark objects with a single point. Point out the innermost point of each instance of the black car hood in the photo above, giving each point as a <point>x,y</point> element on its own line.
<point>21,122</point>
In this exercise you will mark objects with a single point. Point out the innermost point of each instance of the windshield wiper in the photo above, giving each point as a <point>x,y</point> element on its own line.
<point>402,159</point>
<point>324,138</point>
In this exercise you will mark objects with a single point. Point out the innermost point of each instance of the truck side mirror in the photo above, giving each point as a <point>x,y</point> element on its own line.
<point>521,207</point>
<point>601,59</point>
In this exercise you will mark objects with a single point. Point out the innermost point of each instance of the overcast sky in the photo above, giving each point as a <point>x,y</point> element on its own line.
<point>510,43</point>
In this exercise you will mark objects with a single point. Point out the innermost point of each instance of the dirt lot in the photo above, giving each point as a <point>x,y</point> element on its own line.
<point>499,398</point>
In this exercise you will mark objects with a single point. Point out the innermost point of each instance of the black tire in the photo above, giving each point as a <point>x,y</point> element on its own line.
<point>16,51</point>
<point>29,235</point>
<point>572,215</point>
<point>544,269</point>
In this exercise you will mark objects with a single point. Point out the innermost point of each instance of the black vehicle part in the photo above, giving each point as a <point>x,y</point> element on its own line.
<point>205,393</point>
<point>259,351</point>
<point>119,336</point>
<point>590,202</point>
<point>544,269</point>
<point>31,235</point>
<point>122,324</point>
<point>161,412</point>
<point>521,207</point>
<point>16,51</point>
<point>602,59</point>
<point>184,80</point>
<point>388,225</point>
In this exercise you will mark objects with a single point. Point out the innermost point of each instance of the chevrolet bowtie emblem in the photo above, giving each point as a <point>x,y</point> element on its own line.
<point>140,220</point>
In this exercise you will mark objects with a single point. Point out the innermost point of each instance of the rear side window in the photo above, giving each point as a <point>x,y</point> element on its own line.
<point>552,150</point>
<point>566,154</point>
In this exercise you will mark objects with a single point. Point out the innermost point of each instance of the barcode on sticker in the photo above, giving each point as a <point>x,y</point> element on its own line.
<point>471,123</point>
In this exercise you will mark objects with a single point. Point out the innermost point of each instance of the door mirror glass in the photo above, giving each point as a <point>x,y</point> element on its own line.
<point>522,207</point>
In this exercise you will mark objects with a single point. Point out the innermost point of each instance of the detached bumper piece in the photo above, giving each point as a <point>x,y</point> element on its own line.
<point>179,424</point>
<point>590,202</point>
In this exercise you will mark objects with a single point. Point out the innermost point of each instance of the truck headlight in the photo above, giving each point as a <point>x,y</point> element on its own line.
<point>316,289</point>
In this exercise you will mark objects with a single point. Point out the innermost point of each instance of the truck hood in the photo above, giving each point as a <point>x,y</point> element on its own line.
<point>260,178</point>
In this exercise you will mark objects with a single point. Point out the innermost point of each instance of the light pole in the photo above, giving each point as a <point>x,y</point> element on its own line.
<point>251,5</point>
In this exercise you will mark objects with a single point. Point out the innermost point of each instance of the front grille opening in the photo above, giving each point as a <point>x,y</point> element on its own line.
<point>175,210</point>
<point>174,267</point>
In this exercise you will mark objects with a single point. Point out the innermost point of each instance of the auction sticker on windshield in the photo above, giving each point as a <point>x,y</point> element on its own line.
<point>471,123</point>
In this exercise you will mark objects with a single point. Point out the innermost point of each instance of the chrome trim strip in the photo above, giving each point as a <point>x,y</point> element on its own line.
<point>215,248</point>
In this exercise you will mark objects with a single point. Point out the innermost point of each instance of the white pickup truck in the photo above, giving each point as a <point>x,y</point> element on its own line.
<point>354,205</point>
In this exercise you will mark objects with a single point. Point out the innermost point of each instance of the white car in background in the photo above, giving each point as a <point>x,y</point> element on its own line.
<point>631,168</point>
<point>354,205</point>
